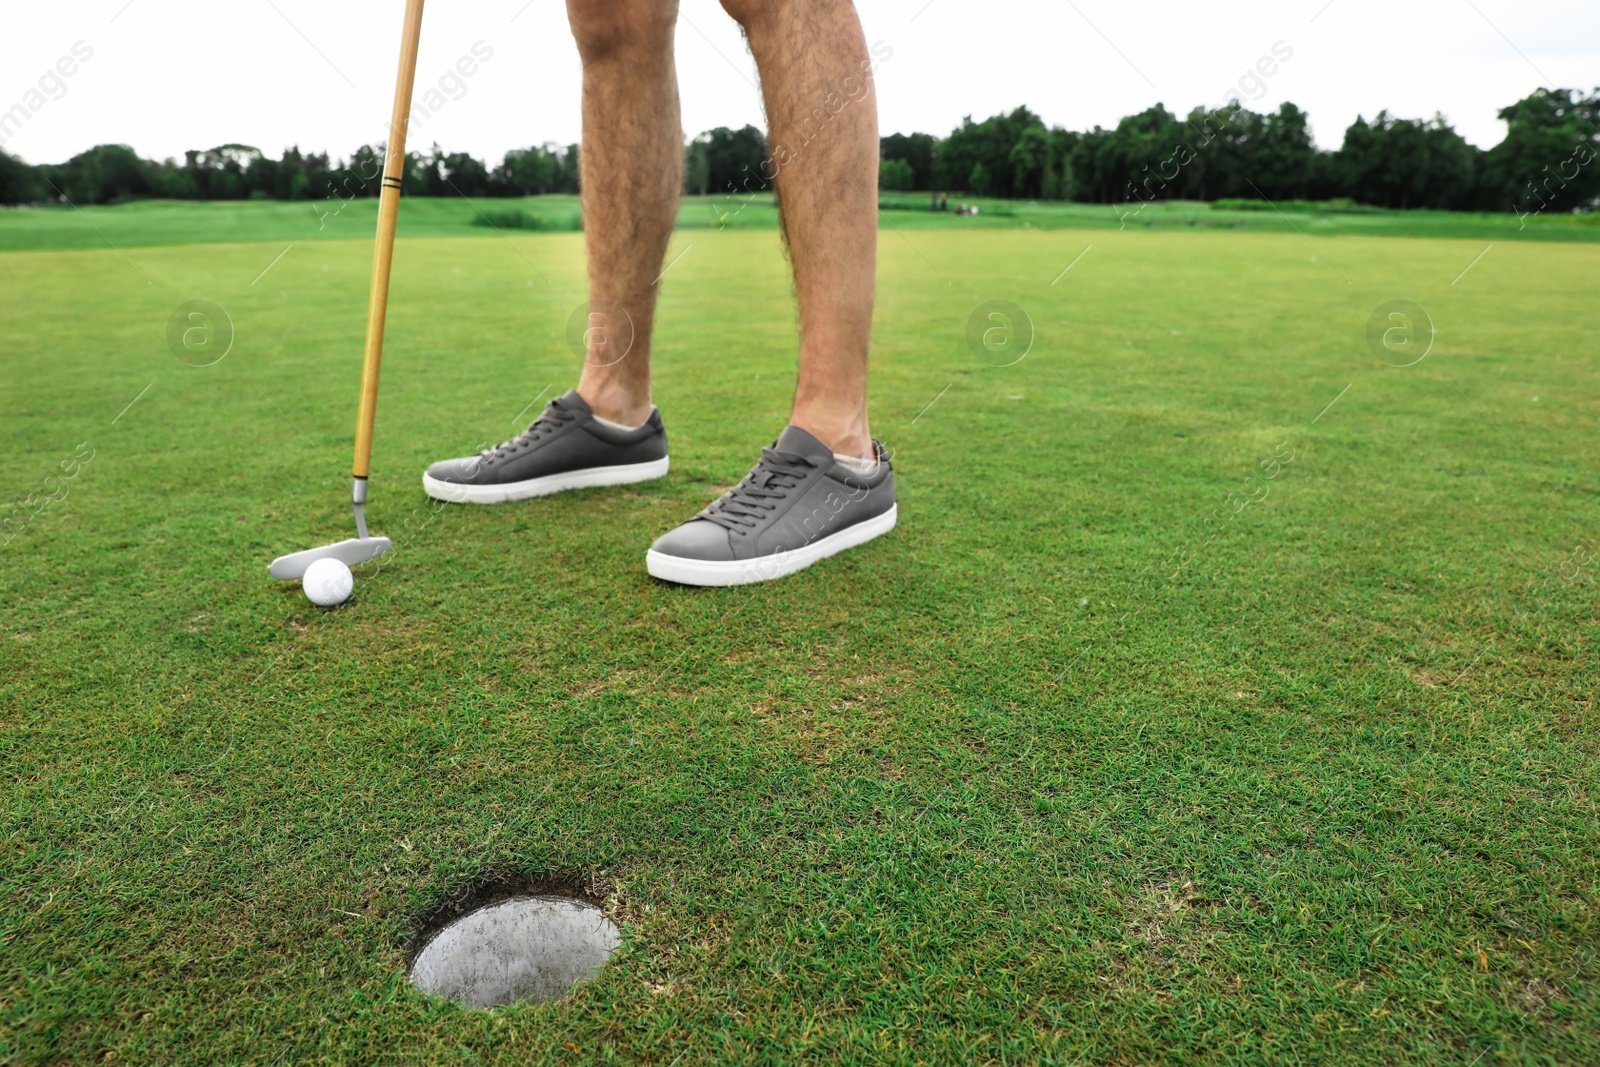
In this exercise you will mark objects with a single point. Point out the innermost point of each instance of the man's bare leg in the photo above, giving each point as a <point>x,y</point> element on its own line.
<point>822,120</point>
<point>632,160</point>
<point>810,496</point>
<point>632,172</point>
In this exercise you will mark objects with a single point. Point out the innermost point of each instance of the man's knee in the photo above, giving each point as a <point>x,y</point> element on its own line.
<point>748,13</point>
<point>605,27</point>
<point>745,11</point>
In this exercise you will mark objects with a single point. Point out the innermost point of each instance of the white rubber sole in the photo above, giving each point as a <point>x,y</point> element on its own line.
<point>590,478</point>
<point>765,568</point>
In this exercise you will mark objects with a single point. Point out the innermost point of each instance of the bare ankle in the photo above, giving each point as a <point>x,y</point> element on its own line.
<point>617,405</point>
<point>845,437</point>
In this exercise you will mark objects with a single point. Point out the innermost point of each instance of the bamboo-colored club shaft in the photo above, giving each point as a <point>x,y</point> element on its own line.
<point>394,168</point>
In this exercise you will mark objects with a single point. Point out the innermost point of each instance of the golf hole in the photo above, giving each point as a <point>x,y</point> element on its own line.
<point>521,948</point>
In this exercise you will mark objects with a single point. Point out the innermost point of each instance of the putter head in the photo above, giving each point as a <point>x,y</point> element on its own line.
<point>350,551</point>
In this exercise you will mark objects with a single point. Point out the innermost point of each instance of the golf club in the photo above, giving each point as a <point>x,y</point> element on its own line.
<point>360,548</point>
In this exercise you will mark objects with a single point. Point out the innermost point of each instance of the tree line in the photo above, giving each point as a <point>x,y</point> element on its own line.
<point>1545,163</point>
<point>1547,160</point>
<point>111,173</point>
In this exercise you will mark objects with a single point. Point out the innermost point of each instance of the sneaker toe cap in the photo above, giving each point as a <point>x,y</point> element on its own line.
<point>460,471</point>
<point>696,539</point>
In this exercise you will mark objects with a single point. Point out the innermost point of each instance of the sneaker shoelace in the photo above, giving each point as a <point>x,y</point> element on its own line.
<point>769,481</point>
<point>556,415</point>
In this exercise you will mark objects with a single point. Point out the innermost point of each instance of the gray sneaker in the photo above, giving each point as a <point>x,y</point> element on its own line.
<point>565,448</point>
<point>797,506</point>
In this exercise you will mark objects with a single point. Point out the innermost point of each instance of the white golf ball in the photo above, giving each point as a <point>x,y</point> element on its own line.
<point>327,582</point>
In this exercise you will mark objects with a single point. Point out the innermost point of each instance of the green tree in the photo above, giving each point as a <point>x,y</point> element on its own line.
<point>1548,159</point>
<point>261,177</point>
<point>1281,159</point>
<point>1060,180</point>
<point>895,175</point>
<point>20,183</point>
<point>292,181</point>
<point>988,142</point>
<point>918,150</point>
<point>1405,163</point>
<point>102,175</point>
<point>1030,160</point>
<point>529,171</point>
<point>569,175</point>
<point>170,181</point>
<point>1088,162</point>
<point>1215,146</point>
<point>1142,158</point>
<point>736,160</point>
<point>317,170</point>
<point>424,175</point>
<point>464,174</point>
<point>696,168</point>
<point>219,173</point>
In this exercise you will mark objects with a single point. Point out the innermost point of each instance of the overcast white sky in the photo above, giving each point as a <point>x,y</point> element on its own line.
<point>168,75</point>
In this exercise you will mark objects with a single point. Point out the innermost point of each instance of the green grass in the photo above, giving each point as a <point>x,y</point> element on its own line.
<point>1004,786</point>
<point>156,222</point>
<point>550,222</point>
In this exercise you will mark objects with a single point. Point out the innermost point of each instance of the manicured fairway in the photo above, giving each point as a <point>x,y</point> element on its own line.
<point>1226,695</point>
<point>165,222</point>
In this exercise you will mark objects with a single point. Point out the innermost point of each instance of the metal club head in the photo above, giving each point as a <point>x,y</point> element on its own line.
<point>350,551</point>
